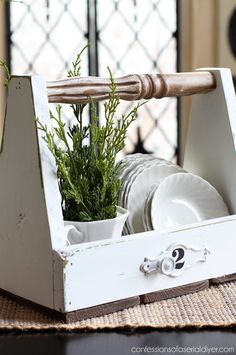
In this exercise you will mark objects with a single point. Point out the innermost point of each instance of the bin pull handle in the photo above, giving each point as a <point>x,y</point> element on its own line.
<point>174,260</point>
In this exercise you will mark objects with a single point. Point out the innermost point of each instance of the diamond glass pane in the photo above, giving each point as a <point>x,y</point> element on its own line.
<point>46,36</point>
<point>139,37</point>
<point>134,36</point>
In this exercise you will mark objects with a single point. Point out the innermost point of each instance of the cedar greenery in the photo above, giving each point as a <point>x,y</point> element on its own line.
<point>87,172</point>
<point>7,79</point>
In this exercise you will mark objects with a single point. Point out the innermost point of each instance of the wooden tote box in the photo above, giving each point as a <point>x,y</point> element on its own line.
<point>88,279</point>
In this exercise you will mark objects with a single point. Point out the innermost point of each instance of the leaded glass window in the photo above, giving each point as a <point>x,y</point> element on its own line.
<point>129,36</point>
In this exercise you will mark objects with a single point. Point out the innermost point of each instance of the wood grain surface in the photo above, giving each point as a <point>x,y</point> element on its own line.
<point>222,279</point>
<point>130,87</point>
<point>102,309</point>
<point>174,292</point>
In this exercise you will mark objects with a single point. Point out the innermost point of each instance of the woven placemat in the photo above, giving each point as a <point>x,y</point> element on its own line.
<point>215,306</point>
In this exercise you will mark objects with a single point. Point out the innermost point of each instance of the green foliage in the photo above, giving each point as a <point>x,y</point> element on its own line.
<point>87,172</point>
<point>7,73</point>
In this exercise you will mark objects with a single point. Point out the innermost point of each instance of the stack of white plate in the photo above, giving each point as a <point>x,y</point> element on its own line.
<point>160,194</point>
<point>140,173</point>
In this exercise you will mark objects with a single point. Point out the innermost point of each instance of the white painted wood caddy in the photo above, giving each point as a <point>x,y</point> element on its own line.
<point>89,279</point>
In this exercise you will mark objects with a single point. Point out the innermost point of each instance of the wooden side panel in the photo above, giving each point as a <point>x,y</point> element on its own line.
<point>58,282</point>
<point>98,273</point>
<point>225,278</point>
<point>48,167</point>
<point>174,292</point>
<point>26,263</point>
<point>210,150</point>
<point>101,310</point>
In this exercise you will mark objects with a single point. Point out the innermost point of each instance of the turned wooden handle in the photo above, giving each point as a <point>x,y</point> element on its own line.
<point>130,87</point>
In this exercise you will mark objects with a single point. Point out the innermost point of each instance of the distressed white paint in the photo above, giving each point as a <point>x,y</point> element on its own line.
<point>29,225</point>
<point>48,167</point>
<point>108,272</point>
<point>211,140</point>
<point>58,282</point>
<point>35,262</point>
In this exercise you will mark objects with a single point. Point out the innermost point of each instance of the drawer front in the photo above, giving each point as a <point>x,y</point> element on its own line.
<point>148,262</point>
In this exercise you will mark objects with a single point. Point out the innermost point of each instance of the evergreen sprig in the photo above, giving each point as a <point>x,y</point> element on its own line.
<point>87,172</point>
<point>7,79</point>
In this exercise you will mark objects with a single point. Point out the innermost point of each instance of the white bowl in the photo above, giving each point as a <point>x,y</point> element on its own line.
<point>185,198</point>
<point>138,190</point>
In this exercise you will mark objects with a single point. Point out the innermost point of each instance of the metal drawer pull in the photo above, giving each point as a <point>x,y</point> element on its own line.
<point>174,260</point>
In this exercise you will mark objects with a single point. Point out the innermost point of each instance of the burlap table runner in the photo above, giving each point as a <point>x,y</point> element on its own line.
<point>212,307</point>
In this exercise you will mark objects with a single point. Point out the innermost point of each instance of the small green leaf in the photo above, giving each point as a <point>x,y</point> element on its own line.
<point>85,155</point>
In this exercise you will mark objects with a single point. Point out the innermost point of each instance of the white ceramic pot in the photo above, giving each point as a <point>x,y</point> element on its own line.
<point>81,232</point>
